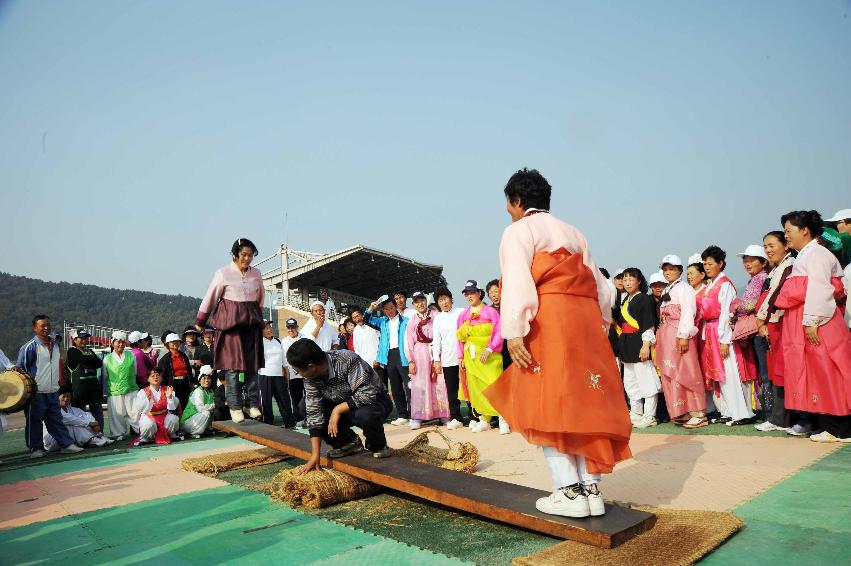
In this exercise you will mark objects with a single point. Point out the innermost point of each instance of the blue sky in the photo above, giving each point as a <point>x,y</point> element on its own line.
<point>139,139</point>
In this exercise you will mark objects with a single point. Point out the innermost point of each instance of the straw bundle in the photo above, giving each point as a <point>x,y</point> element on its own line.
<point>214,464</point>
<point>317,489</point>
<point>459,456</point>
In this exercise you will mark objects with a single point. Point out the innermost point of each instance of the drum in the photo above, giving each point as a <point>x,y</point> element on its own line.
<point>16,390</point>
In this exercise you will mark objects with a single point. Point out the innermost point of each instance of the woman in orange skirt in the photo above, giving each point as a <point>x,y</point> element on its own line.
<point>563,391</point>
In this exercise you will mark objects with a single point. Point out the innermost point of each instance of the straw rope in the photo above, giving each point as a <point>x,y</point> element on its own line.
<point>458,456</point>
<point>317,489</point>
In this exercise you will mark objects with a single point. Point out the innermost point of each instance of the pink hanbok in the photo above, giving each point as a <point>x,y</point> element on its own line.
<point>817,378</point>
<point>682,379</point>
<point>429,399</point>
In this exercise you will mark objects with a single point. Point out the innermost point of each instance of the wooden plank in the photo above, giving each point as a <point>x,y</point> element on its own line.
<point>486,497</point>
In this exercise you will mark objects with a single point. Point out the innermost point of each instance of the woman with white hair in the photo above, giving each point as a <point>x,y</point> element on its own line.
<point>119,375</point>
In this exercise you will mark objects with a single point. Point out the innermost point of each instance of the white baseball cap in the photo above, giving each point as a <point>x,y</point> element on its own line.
<point>172,338</point>
<point>619,272</point>
<point>206,370</point>
<point>671,259</point>
<point>843,214</point>
<point>657,277</point>
<point>134,337</point>
<point>753,250</point>
<point>119,335</point>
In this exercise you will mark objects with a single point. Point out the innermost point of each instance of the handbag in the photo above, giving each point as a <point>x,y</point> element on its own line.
<point>745,327</point>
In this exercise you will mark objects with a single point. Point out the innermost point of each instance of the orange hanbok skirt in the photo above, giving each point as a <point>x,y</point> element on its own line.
<point>571,397</point>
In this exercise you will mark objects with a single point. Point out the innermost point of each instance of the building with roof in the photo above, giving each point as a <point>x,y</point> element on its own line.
<point>354,276</point>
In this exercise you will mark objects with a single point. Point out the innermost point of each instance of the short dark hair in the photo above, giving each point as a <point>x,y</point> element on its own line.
<point>403,293</point>
<point>442,292</point>
<point>529,189</point>
<point>356,309</point>
<point>809,219</point>
<point>304,352</point>
<point>242,243</point>
<point>698,266</point>
<point>492,283</point>
<point>604,271</point>
<point>38,317</point>
<point>156,370</point>
<point>635,272</point>
<point>715,253</point>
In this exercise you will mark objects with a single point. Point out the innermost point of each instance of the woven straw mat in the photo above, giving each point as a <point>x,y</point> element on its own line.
<point>214,464</point>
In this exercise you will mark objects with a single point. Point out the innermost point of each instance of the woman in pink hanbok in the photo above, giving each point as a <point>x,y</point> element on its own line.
<point>816,342</point>
<point>428,389</point>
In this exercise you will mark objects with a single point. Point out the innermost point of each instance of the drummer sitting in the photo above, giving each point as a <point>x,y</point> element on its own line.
<point>153,405</point>
<point>80,424</point>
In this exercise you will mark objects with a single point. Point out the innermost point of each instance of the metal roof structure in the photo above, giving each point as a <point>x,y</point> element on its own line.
<point>354,275</point>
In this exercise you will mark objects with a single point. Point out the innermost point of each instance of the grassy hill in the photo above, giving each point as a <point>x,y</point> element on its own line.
<point>21,298</point>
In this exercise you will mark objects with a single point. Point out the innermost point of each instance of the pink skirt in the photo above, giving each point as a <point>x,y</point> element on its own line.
<point>682,379</point>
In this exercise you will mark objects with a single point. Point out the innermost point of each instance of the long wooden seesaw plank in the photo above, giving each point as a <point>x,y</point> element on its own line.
<point>489,498</point>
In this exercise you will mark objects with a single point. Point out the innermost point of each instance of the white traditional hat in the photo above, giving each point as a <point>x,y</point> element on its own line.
<point>172,338</point>
<point>671,259</point>
<point>206,370</point>
<point>694,258</point>
<point>843,214</point>
<point>119,335</point>
<point>314,303</point>
<point>134,337</point>
<point>753,250</point>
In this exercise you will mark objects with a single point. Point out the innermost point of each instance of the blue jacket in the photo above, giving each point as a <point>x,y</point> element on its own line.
<point>27,355</point>
<point>384,336</point>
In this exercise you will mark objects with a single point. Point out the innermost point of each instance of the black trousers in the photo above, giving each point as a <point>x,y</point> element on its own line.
<point>370,418</point>
<point>182,389</point>
<point>452,379</point>
<point>297,394</point>
<point>779,415</point>
<point>399,383</point>
<point>840,427</point>
<point>274,387</point>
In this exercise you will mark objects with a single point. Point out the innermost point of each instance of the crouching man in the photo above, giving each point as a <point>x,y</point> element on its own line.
<point>197,417</point>
<point>340,390</point>
<point>152,404</point>
<point>81,426</point>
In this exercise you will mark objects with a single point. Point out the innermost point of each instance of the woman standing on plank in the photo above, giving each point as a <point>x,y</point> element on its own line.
<point>563,391</point>
<point>233,307</point>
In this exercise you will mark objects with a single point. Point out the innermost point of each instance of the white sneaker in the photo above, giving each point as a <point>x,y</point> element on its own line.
<point>799,430</point>
<point>195,435</point>
<point>254,413</point>
<point>596,505</point>
<point>473,423</point>
<point>635,417</point>
<point>824,437</point>
<point>645,422</point>
<point>71,449</point>
<point>399,422</point>
<point>37,454</point>
<point>481,427</point>
<point>236,415</point>
<point>118,438</point>
<point>503,426</point>
<point>454,424</point>
<point>99,441</point>
<point>564,502</point>
<point>414,424</point>
<point>768,427</point>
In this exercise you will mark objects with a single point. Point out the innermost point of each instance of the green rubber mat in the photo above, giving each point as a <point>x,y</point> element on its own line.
<point>711,430</point>
<point>806,519</point>
<point>412,521</point>
<point>115,455</point>
<point>226,525</point>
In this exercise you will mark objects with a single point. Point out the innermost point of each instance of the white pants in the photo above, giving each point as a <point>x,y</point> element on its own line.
<point>80,434</point>
<point>148,426</point>
<point>199,423</point>
<point>642,385</point>
<point>735,398</point>
<point>568,469</point>
<point>120,409</point>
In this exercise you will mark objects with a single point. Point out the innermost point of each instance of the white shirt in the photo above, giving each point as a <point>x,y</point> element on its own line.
<point>273,358</point>
<point>286,342</point>
<point>141,404</point>
<point>393,331</point>
<point>47,375</point>
<point>197,399</point>
<point>444,346</point>
<point>366,342</point>
<point>326,338</point>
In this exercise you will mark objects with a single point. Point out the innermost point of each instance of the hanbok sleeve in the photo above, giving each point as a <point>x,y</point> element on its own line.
<point>495,343</point>
<point>726,296</point>
<point>211,298</point>
<point>262,290</point>
<point>819,302</point>
<point>688,310</point>
<point>141,404</point>
<point>76,417</point>
<point>172,402</point>
<point>410,339</point>
<point>519,299</point>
